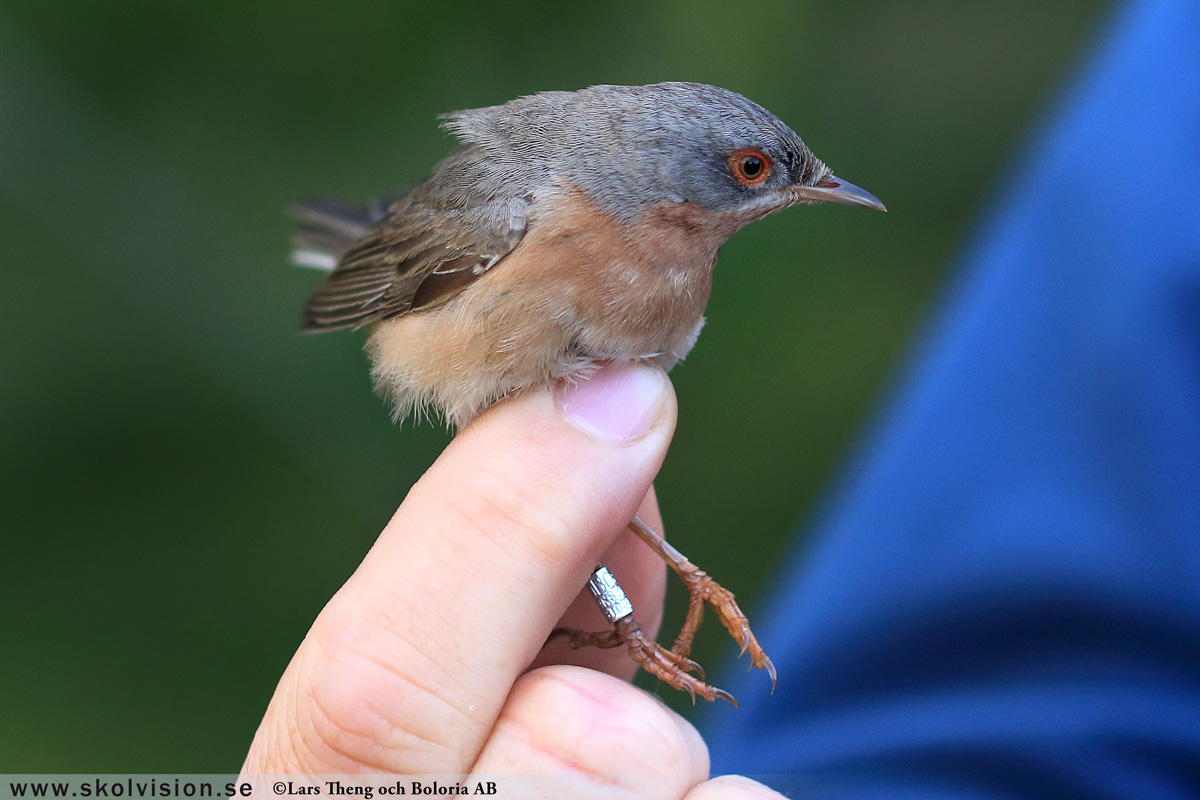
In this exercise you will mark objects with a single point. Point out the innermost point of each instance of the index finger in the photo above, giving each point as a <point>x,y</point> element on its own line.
<point>409,665</point>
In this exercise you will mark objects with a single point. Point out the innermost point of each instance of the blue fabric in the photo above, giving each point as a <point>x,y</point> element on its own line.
<point>1004,600</point>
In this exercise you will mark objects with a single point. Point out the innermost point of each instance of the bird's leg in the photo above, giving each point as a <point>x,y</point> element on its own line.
<point>666,665</point>
<point>704,590</point>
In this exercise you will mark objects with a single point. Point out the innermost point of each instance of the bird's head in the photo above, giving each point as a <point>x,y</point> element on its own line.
<point>632,147</point>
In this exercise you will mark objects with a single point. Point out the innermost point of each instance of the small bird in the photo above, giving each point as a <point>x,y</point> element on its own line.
<point>568,229</point>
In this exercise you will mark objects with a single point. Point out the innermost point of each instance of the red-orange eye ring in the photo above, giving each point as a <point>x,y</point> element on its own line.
<point>749,166</point>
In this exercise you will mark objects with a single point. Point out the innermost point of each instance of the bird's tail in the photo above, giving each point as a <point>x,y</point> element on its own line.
<point>328,228</point>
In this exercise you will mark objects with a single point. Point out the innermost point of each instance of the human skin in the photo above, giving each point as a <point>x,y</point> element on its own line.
<point>430,659</point>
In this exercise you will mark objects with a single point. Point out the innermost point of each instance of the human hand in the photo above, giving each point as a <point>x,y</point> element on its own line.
<point>430,658</point>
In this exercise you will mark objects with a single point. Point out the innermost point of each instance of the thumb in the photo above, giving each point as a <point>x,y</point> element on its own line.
<point>409,665</point>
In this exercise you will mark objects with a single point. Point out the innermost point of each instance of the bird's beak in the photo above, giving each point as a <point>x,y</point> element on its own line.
<point>833,189</point>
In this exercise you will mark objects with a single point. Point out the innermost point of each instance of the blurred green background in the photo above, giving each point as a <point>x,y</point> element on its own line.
<point>185,481</point>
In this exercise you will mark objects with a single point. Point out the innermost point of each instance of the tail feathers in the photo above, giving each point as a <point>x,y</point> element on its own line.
<point>328,228</point>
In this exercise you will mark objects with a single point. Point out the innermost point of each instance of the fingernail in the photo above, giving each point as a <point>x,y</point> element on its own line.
<point>620,403</point>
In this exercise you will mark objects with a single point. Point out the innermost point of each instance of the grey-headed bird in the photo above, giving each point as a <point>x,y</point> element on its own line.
<point>568,229</point>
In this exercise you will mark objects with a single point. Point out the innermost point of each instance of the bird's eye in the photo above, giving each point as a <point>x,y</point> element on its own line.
<point>749,166</point>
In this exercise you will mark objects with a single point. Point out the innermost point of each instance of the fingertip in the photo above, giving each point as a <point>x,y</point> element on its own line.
<point>732,787</point>
<point>571,720</point>
<point>619,403</point>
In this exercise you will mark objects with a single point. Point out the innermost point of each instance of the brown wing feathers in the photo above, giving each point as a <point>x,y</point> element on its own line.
<point>413,258</point>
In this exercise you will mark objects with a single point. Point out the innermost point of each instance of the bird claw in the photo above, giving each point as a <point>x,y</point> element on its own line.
<point>702,591</point>
<point>724,695</point>
<point>700,585</point>
<point>666,665</point>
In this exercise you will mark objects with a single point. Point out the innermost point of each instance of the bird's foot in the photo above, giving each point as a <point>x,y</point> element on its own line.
<point>703,590</point>
<point>666,665</point>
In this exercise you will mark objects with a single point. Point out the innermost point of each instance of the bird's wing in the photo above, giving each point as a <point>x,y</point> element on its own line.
<point>417,256</point>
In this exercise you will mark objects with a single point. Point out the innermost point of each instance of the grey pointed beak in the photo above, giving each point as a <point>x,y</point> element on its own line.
<point>833,189</point>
